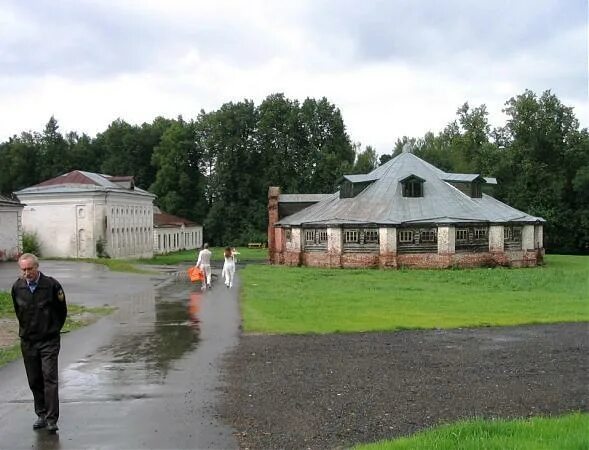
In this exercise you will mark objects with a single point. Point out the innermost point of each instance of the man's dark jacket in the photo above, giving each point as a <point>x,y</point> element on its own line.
<point>40,314</point>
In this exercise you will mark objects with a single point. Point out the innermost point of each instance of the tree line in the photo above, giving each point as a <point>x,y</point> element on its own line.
<point>216,169</point>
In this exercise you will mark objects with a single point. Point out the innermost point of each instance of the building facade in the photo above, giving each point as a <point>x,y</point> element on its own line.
<point>405,213</point>
<point>87,215</point>
<point>172,233</point>
<point>10,229</point>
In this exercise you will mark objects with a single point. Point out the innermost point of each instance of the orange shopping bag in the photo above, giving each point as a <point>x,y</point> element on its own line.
<point>195,274</point>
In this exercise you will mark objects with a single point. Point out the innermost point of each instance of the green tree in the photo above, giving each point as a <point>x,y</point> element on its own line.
<point>543,167</point>
<point>366,161</point>
<point>179,183</point>
<point>21,161</point>
<point>54,151</point>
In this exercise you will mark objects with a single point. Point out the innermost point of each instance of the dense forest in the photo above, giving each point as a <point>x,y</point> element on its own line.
<point>216,168</point>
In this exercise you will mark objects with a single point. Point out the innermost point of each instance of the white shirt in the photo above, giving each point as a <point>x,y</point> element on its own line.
<point>204,257</point>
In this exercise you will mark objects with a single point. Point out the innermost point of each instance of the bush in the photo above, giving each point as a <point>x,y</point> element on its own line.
<point>30,244</point>
<point>101,248</point>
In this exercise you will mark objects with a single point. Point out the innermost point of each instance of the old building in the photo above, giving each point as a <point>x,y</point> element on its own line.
<point>10,229</point>
<point>172,233</point>
<point>405,213</point>
<point>85,215</point>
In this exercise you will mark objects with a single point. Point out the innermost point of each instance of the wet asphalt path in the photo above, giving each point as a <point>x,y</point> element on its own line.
<point>145,377</point>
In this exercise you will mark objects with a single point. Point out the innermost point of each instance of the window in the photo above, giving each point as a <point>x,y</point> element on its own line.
<point>405,236</point>
<point>413,188</point>
<point>288,234</point>
<point>315,238</point>
<point>350,236</point>
<point>461,234</point>
<point>360,240</point>
<point>512,237</point>
<point>428,236</point>
<point>371,236</point>
<point>472,239</point>
<point>417,240</point>
<point>512,233</point>
<point>476,190</point>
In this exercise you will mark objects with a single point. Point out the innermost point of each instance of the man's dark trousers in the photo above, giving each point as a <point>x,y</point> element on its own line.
<point>40,360</point>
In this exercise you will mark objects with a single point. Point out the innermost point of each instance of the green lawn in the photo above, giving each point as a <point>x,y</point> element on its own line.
<point>569,432</point>
<point>278,299</point>
<point>187,256</point>
<point>78,316</point>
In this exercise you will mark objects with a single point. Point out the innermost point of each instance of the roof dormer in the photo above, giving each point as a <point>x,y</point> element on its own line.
<point>469,184</point>
<point>352,185</point>
<point>412,186</point>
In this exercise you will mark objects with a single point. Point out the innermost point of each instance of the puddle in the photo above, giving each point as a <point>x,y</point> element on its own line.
<point>154,329</point>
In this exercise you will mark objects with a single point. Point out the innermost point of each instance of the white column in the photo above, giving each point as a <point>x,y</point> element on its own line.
<point>528,237</point>
<point>388,240</point>
<point>334,240</point>
<point>294,244</point>
<point>446,240</point>
<point>496,235</point>
<point>539,236</point>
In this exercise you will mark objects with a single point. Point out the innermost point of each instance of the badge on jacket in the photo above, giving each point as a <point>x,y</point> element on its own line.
<point>60,295</point>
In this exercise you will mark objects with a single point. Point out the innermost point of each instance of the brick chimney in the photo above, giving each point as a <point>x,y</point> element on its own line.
<point>273,194</point>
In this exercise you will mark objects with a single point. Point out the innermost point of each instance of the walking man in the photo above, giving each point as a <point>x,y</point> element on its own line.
<point>39,304</point>
<point>204,262</point>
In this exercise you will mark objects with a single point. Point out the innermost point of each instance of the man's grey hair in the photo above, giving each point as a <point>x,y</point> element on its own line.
<point>29,257</point>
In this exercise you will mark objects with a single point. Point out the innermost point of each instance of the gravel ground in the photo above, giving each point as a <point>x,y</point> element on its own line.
<point>334,391</point>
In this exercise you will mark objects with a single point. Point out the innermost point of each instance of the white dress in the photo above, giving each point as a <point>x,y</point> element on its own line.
<point>229,270</point>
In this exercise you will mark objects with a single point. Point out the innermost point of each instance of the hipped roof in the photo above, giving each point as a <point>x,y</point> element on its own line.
<point>81,181</point>
<point>382,202</point>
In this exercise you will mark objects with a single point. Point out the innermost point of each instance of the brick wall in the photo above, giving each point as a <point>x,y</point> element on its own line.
<point>410,260</point>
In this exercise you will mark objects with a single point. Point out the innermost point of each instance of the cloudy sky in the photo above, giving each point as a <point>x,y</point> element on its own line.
<point>393,67</point>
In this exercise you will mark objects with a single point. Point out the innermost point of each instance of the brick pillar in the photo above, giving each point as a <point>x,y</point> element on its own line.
<point>496,235</point>
<point>334,246</point>
<point>273,193</point>
<point>446,240</point>
<point>538,236</point>
<point>387,237</point>
<point>528,238</point>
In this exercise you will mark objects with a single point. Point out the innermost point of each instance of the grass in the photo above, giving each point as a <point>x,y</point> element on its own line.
<point>78,316</point>
<point>569,432</point>
<point>298,300</point>
<point>245,254</point>
<point>116,265</point>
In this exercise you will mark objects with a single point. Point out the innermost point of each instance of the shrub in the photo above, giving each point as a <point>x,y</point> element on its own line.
<point>30,243</point>
<point>101,248</point>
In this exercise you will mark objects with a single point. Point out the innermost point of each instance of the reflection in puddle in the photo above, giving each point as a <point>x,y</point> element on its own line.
<point>194,310</point>
<point>156,328</point>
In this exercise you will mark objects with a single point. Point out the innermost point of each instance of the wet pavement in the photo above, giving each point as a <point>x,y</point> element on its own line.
<point>147,376</point>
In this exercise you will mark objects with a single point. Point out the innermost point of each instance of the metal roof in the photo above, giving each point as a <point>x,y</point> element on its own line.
<point>462,177</point>
<point>81,181</point>
<point>168,220</point>
<point>302,198</point>
<point>382,202</point>
<point>360,178</point>
<point>5,201</point>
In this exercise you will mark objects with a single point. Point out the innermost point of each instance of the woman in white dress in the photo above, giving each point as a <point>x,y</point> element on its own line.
<point>229,267</point>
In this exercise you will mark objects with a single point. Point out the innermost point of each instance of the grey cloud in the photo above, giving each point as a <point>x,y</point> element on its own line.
<point>430,30</point>
<point>90,40</point>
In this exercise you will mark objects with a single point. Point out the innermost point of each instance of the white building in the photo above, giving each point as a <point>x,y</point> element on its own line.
<point>10,229</point>
<point>86,215</point>
<point>172,233</point>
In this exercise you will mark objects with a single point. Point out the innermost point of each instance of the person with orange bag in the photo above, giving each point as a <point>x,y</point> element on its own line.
<point>204,263</point>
